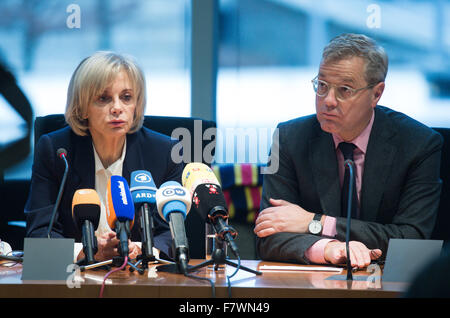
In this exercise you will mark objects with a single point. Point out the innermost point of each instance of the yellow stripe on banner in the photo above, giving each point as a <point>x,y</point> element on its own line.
<point>254,175</point>
<point>217,173</point>
<point>251,217</point>
<point>237,174</point>
<point>231,210</point>
<point>248,198</point>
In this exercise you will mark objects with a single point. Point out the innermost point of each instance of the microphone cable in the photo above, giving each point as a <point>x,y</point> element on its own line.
<point>11,258</point>
<point>213,287</point>
<point>235,272</point>
<point>110,272</point>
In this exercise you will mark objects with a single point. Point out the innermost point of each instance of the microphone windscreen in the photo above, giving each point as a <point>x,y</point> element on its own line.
<point>196,173</point>
<point>207,198</point>
<point>61,151</point>
<point>86,206</point>
<point>172,197</point>
<point>120,206</point>
<point>143,188</point>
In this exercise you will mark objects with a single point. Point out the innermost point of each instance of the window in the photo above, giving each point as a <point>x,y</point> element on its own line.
<point>270,50</point>
<point>42,42</point>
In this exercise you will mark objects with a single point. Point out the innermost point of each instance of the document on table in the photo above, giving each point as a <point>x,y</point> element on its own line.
<point>300,268</point>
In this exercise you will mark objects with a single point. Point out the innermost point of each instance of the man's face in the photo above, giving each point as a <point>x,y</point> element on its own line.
<point>346,118</point>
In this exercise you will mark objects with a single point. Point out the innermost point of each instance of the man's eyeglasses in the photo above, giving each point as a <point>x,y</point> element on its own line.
<point>342,92</point>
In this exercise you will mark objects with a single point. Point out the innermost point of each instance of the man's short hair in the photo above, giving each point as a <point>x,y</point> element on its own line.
<point>349,45</point>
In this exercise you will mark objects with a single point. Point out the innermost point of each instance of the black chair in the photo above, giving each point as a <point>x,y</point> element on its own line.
<point>195,226</point>
<point>442,227</point>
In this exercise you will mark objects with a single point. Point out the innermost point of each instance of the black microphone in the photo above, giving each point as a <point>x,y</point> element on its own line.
<point>143,191</point>
<point>209,201</point>
<point>349,164</point>
<point>86,215</point>
<point>62,153</point>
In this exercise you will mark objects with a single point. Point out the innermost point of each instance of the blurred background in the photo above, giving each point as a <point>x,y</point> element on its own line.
<point>262,56</point>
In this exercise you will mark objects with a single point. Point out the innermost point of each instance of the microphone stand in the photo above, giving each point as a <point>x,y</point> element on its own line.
<point>90,246</point>
<point>147,255</point>
<point>116,261</point>
<point>123,231</point>
<point>58,198</point>
<point>349,163</point>
<point>146,221</point>
<point>218,258</point>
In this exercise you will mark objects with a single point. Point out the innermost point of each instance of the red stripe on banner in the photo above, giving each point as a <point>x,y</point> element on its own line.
<point>246,174</point>
<point>256,197</point>
<point>230,205</point>
<point>227,196</point>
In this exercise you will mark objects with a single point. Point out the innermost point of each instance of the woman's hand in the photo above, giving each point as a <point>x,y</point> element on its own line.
<point>108,248</point>
<point>133,250</point>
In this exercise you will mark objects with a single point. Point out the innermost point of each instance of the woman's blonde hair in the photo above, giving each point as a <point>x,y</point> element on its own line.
<point>91,77</point>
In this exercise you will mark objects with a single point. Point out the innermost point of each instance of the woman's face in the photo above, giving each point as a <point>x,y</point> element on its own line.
<point>111,113</point>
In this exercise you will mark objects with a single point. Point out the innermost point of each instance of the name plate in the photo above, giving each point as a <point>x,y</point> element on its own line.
<point>407,257</point>
<point>47,259</point>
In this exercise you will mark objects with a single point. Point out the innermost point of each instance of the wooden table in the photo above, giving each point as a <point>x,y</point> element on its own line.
<point>271,284</point>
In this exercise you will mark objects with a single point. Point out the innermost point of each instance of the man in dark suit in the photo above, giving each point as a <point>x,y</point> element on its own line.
<point>397,162</point>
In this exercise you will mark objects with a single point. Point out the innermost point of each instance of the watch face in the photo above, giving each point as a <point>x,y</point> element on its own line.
<point>315,227</point>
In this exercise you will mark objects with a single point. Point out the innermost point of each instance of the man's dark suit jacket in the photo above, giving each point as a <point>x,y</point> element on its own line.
<point>146,150</point>
<point>400,186</point>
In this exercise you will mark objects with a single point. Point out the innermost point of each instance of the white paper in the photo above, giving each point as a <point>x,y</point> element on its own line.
<point>300,268</point>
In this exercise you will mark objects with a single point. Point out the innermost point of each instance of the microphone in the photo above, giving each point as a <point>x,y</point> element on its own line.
<point>120,211</point>
<point>143,191</point>
<point>209,201</point>
<point>61,153</point>
<point>349,164</point>
<point>173,203</point>
<point>86,215</point>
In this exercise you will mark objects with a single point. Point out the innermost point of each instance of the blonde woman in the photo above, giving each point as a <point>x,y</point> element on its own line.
<point>105,111</point>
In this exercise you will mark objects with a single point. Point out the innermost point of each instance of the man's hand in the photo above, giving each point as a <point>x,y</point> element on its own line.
<point>360,255</point>
<point>282,216</point>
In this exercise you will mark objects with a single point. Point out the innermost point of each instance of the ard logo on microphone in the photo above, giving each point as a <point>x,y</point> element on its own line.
<point>173,191</point>
<point>142,178</point>
<point>142,195</point>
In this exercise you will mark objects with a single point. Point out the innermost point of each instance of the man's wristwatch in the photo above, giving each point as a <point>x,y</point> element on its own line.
<point>315,227</point>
